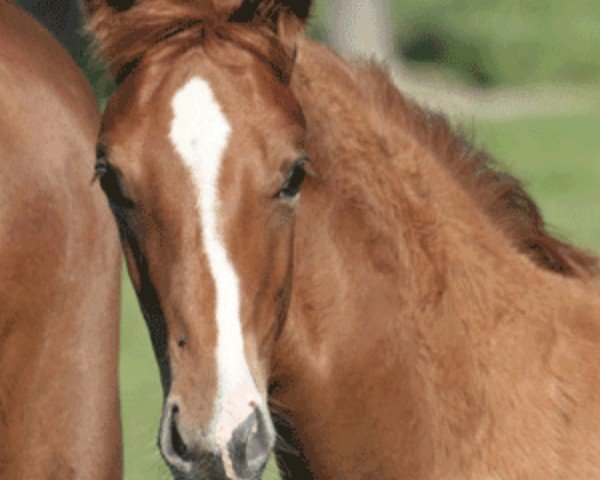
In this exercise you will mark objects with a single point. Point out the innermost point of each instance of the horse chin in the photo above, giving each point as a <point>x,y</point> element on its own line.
<point>211,467</point>
<point>210,474</point>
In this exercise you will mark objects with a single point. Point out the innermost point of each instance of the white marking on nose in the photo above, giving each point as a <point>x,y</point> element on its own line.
<point>200,134</point>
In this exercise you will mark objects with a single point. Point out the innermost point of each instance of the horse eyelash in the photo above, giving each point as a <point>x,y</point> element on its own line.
<point>109,181</point>
<point>297,168</point>
<point>100,169</point>
<point>101,166</point>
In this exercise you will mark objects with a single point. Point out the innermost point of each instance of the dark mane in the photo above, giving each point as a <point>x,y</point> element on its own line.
<point>125,35</point>
<point>500,195</point>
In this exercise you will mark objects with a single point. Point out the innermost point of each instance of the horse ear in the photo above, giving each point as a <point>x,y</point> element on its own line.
<point>271,10</point>
<point>301,9</point>
<point>92,6</point>
<point>287,18</point>
<point>102,16</point>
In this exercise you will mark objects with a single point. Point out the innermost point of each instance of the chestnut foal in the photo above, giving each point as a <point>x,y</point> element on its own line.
<point>201,157</point>
<point>59,268</point>
<point>434,330</point>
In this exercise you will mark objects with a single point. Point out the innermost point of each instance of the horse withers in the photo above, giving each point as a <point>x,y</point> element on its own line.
<point>407,316</point>
<point>59,268</point>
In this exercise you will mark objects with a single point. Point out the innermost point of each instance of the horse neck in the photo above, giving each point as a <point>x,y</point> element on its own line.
<point>381,214</point>
<point>375,226</point>
<point>399,283</point>
<point>370,263</point>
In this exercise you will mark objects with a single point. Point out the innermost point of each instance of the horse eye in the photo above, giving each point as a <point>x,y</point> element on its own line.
<point>101,166</point>
<point>111,184</point>
<point>294,179</point>
<point>100,169</point>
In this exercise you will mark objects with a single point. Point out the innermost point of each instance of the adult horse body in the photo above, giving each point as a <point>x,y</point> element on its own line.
<point>59,268</point>
<point>435,330</point>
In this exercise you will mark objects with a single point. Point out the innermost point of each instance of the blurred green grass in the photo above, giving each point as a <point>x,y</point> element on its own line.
<point>497,42</point>
<point>558,158</point>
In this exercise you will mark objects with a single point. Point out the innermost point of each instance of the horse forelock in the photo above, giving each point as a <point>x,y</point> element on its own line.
<point>125,35</point>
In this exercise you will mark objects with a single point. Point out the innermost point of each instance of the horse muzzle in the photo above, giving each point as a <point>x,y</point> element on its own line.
<point>243,457</point>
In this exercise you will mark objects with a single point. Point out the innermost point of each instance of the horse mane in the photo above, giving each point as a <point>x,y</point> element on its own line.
<point>501,196</point>
<point>125,33</point>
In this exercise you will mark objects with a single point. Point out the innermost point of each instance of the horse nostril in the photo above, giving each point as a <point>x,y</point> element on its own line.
<point>172,445</point>
<point>250,445</point>
<point>258,445</point>
<point>179,446</point>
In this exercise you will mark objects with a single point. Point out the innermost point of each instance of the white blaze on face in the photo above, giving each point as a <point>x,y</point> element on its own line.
<point>200,133</point>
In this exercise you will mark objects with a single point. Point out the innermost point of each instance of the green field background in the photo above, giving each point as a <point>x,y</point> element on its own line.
<point>496,42</point>
<point>513,42</point>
